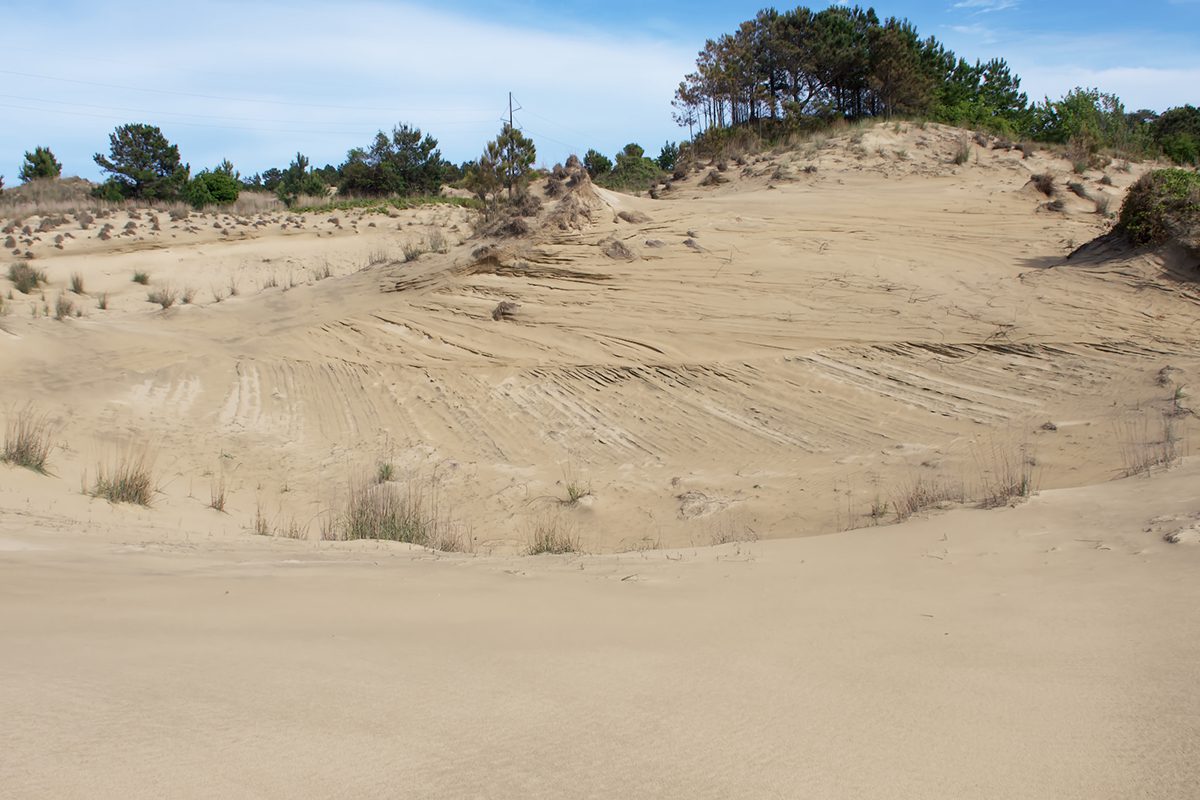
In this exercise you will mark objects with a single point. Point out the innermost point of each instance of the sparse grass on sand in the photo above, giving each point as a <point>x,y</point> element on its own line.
<point>552,534</point>
<point>408,511</point>
<point>27,440</point>
<point>127,479</point>
<point>25,278</point>
<point>165,297</point>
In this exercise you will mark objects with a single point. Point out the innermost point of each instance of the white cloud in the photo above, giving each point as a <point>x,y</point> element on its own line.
<point>986,6</point>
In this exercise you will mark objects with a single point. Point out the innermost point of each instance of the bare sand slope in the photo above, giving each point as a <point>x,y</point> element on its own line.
<point>1046,651</point>
<point>796,349</point>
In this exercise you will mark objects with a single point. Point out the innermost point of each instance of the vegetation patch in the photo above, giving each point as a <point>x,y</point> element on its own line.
<point>27,440</point>
<point>1163,205</point>
<point>129,479</point>
<point>25,279</point>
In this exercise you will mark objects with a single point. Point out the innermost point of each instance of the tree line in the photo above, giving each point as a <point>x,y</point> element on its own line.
<point>807,69</point>
<point>142,164</point>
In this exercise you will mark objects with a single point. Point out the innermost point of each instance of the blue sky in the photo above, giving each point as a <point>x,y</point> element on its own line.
<point>256,82</point>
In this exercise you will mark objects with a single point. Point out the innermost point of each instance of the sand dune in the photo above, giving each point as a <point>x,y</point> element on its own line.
<point>821,339</point>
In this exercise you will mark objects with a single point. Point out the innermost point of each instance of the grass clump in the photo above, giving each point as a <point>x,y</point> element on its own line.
<point>1162,205</point>
<point>26,279</point>
<point>63,307</point>
<point>963,154</point>
<point>128,479</point>
<point>27,440</point>
<point>396,512</point>
<point>141,277</point>
<point>165,297</point>
<point>551,534</point>
<point>1044,183</point>
<point>77,283</point>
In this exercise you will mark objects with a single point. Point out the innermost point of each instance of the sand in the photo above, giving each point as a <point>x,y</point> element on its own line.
<point>748,396</point>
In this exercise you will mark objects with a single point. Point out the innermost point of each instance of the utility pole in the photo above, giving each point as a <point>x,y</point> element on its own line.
<point>509,166</point>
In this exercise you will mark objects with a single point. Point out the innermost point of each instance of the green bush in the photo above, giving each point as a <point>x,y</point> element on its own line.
<point>633,172</point>
<point>212,188</point>
<point>1182,148</point>
<point>1163,205</point>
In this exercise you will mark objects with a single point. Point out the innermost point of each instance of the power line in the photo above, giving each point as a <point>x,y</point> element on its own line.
<point>259,101</point>
<point>210,116</point>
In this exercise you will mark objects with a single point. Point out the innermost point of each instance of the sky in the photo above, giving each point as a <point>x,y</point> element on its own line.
<point>257,82</point>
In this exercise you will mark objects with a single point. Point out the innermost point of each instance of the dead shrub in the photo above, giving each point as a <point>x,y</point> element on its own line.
<point>505,310</point>
<point>1044,183</point>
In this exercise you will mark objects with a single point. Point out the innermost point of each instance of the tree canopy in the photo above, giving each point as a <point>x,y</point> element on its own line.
<point>143,164</point>
<point>404,163</point>
<point>41,163</point>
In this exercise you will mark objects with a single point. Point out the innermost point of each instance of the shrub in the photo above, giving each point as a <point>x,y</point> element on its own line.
<point>27,440</point>
<point>77,283</point>
<point>1162,205</point>
<point>25,279</point>
<point>128,479</point>
<point>165,297</point>
<point>1044,183</point>
<point>212,188</point>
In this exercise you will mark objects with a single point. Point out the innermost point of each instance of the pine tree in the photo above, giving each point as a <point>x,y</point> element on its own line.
<point>41,163</point>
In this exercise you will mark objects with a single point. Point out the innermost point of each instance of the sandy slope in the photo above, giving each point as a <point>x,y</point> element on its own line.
<point>786,351</point>
<point>1045,651</point>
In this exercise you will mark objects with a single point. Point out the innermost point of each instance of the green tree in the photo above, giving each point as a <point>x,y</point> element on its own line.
<point>215,187</point>
<point>1177,132</point>
<point>597,163</point>
<point>41,163</point>
<point>298,179</point>
<point>143,164</point>
<point>507,161</point>
<point>405,163</point>
<point>668,156</point>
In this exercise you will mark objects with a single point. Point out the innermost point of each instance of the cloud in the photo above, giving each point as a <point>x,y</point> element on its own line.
<point>986,6</point>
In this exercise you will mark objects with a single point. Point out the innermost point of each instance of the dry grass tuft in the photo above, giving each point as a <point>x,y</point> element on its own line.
<point>1007,475</point>
<point>397,512</point>
<point>165,297</point>
<point>141,277</point>
<point>552,534</point>
<point>25,279</point>
<point>921,495</point>
<point>63,307</point>
<point>216,495</point>
<point>27,440</point>
<point>77,283</point>
<point>128,479</point>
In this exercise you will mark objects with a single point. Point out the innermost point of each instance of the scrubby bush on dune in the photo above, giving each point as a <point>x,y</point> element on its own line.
<point>24,277</point>
<point>1162,206</point>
